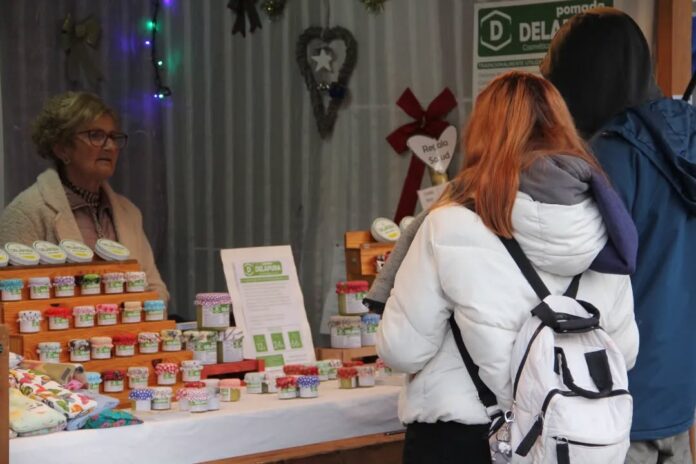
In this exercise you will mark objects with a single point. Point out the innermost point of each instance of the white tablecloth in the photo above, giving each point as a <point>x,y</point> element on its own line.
<point>255,424</point>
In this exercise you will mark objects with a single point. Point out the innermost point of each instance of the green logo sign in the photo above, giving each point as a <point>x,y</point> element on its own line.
<point>295,339</point>
<point>265,268</point>
<point>260,343</point>
<point>523,29</point>
<point>278,342</point>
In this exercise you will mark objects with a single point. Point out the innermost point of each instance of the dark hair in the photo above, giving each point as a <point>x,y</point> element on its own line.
<point>600,62</point>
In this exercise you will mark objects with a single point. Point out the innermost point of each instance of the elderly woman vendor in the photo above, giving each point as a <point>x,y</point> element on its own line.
<point>73,200</point>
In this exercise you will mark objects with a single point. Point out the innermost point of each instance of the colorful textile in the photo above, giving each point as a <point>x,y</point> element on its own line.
<point>29,417</point>
<point>104,403</point>
<point>110,418</point>
<point>60,372</point>
<point>41,388</point>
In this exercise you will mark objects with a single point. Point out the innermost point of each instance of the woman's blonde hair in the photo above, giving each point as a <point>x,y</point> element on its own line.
<point>61,117</point>
<point>517,118</point>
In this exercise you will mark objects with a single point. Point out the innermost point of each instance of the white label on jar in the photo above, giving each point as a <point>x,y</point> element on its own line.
<point>113,385</point>
<point>161,403</point>
<point>191,375</point>
<point>216,316</point>
<point>101,352</point>
<point>125,350</point>
<point>50,356</point>
<point>131,316</point>
<point>138,382</point>
<point>148,347</point>
<point>58,323</point>
<point>93,387</point>
<point>171,345</point>
<point>12,292</point>
<point>90,289</point>
<point>354,303</point>
<point>114,287</point>
<point>85,320</point>
<point>230,353</point>
<point>107,318</point>
<point>167,376</point>
<point>136,285</point>
<point>65,290</point>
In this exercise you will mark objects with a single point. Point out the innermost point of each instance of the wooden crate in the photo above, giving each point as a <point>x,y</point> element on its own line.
<point>361,254</point>
<point>346,354</point>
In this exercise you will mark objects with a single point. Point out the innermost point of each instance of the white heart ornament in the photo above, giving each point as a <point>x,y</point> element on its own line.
<point>435,153</point>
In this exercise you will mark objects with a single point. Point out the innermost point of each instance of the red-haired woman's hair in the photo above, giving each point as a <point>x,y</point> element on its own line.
<point>517,118</point>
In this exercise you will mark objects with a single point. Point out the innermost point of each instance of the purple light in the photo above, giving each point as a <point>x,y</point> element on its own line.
<point>167,2</point>
<point>147,43</point>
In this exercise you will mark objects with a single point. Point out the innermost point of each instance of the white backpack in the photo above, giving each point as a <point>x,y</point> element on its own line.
<point>571,401</point>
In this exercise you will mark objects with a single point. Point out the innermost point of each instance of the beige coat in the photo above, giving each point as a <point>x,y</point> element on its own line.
<point>42,212</point>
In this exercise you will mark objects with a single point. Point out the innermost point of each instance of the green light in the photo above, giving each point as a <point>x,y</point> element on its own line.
<point>151,25</point>
<point>160,63</point>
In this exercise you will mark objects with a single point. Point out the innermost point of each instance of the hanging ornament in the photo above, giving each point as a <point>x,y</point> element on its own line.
<point>273,8</point>
<point>79,42</point>
<point>374,6</point>
<point>244,8</point>
<point>428,122</point>
<point>317,80</point>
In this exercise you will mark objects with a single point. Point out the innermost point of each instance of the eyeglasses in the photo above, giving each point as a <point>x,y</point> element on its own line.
<point>98,138</point>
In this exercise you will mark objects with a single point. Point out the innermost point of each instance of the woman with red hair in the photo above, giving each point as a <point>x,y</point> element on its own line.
<point>527,175</point>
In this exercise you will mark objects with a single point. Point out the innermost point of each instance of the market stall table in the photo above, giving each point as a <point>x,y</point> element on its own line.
<point>255,424</point>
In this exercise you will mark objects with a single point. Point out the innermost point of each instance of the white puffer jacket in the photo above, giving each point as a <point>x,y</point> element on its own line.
<point>456,263</point>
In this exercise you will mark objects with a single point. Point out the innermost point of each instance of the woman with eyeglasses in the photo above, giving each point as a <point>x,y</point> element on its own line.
<point>79,133</point>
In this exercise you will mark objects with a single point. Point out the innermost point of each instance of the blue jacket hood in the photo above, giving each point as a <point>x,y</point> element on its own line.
<point>664,131</point>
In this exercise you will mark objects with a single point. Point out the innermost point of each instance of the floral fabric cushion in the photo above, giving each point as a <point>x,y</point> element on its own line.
<point>41,388</point>
<point>29,417</point>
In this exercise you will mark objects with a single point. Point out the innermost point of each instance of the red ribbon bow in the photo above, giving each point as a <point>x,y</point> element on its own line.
<point>428,122</point>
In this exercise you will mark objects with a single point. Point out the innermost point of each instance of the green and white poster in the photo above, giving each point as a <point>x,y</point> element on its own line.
<point>268,305</point>
<point>516,34</point>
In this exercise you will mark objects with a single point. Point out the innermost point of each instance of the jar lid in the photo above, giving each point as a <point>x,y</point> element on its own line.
<point>170,334</point>
<point>76,251</point>
<point>132,305</point>
<point>154,305</point>
<point>191,364</point>
<point>78,344</point>
<point>100,340</point>
<point>83,310</point>
<point>285,382</point>
<point>4,258</point>
<point>137,371</point>
<point>346,372</point>
<point>171,368</point>
<point>135,275</point>
<point>11,283</point>
<point>308,381</point>
<point>111,250</point>
<point>29,315</point>
<point>352,286</point>
<point>254,377</point>
<point>138,394</point>
<point>49,253</point>
<point>385,230</point>
<point>21,255</point>
<point>210,299</point>
<point>161,392</point>
<point>64,280</point>
<point>113,375</point>
<point>148,337</point>
<point>234,383</point>
<point>371,318</point>
<point>365,370</point>
<point>93,377</point>
<point>405,222</point>
<point>58,311</point>
<point>124,339</point>
<point>38,281</point>
<point>49,346</point>
<point>113,277</point>
<point>89,279</point>
<point>107,308</point>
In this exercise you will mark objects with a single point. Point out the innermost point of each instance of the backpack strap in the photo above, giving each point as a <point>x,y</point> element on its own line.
<point>485,394</point>
<point>515,250</point>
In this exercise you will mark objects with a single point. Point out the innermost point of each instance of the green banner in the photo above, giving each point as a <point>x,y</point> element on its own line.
<point>523,29</point>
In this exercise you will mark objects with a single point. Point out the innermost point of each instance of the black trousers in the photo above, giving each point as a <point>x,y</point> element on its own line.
<point>445,443</point>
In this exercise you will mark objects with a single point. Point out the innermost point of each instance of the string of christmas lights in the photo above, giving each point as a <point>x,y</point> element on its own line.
<point>161,90</point>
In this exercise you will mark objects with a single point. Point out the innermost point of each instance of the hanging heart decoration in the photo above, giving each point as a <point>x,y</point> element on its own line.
<point>436,153</point>
<point>337,89</point>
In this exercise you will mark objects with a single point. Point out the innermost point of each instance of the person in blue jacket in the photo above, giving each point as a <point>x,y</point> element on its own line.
<point>601,64</point>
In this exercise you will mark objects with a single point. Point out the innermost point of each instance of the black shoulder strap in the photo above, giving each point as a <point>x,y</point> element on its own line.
<point>531,275</point>
<point>485,394</point>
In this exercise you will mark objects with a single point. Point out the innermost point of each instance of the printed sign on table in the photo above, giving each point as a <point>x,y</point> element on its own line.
<point>268,305</point>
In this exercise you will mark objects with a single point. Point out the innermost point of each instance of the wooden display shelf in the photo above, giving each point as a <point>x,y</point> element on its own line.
<point>361,253</point>
<point>9,309</point>
<point>26,344</point>
<point>73,269</point>
<point>246,365</point>
<point>346,354</point>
